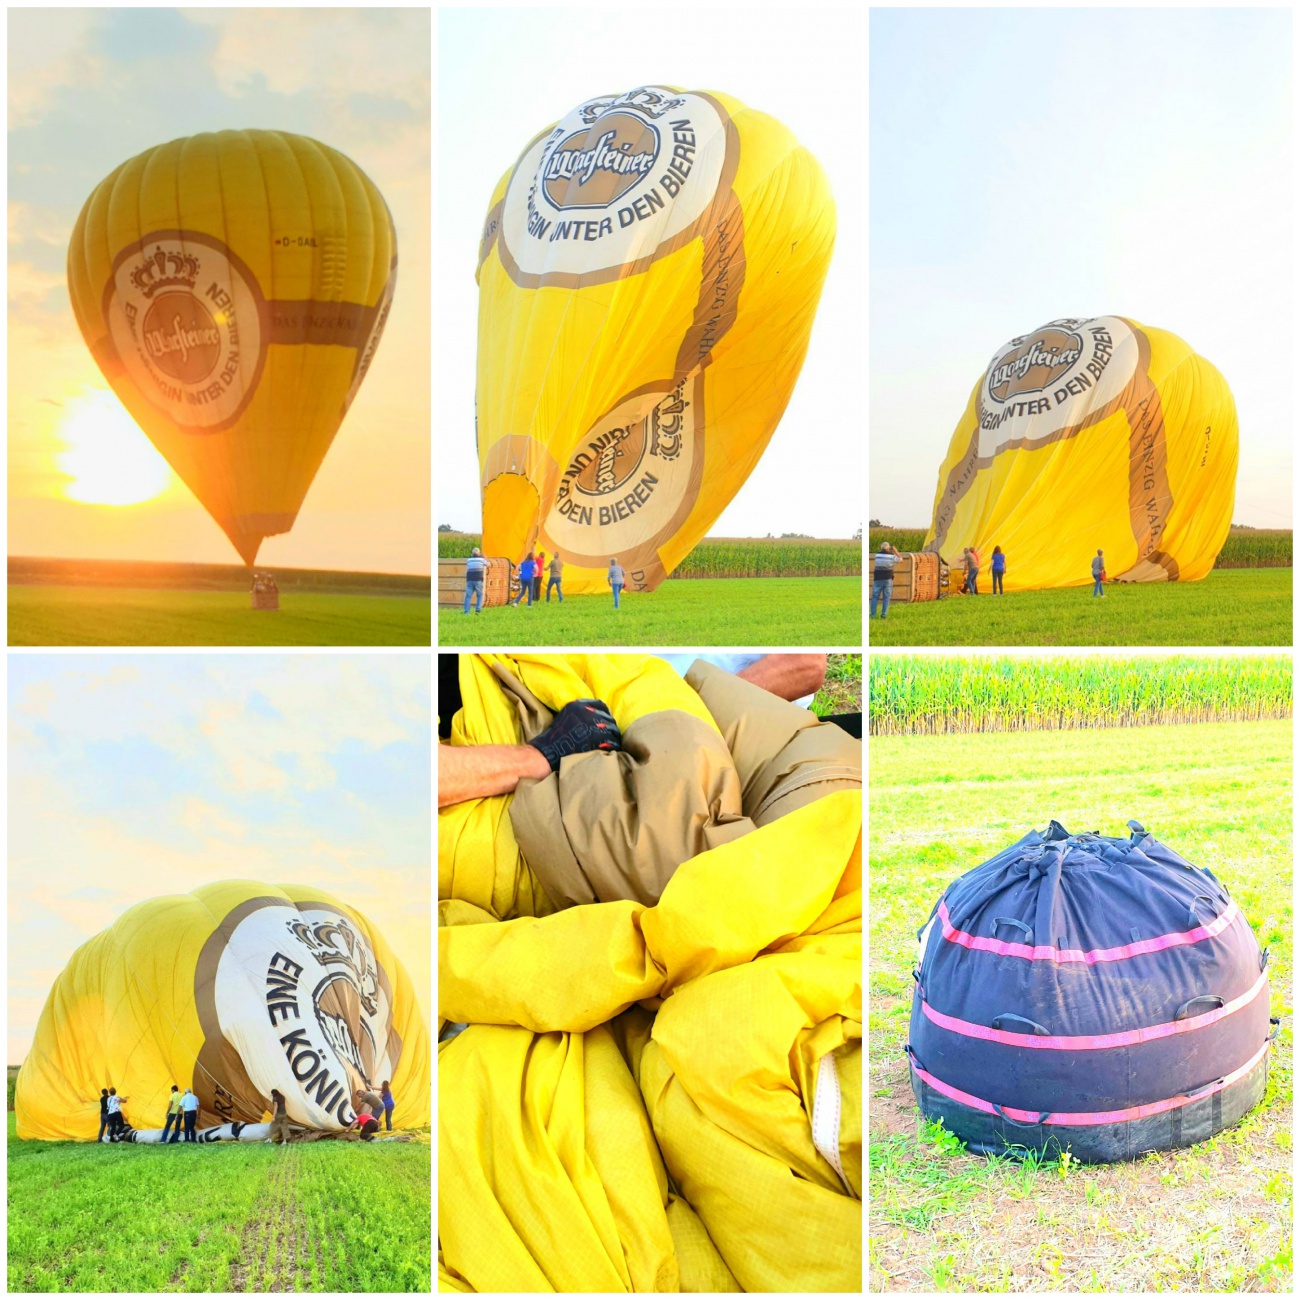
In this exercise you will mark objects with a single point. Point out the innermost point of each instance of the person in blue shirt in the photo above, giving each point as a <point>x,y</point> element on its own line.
<point>526,579</point>
<point>882,579</point>
<point>476,568</point>
<point>616,579</point>
<point>998,566</point>
<point>1098,574</point>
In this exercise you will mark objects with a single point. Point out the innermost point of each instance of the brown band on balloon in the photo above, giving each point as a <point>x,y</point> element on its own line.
<point>218,1060</point>
<point>722,277</point>
<point>1150,497</point>
<point>492,224</point>
<point>607,275</point>
<point>332,324</point>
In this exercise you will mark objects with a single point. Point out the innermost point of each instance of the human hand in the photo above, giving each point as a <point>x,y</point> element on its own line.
<point>579,728</point>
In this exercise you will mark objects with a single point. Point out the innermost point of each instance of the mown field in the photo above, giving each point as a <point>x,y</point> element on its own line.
<point>49,615</point>
<point>1246,548</point>
<point>1227,607</point>
<point>734,557</point>
<point>1211,1218</point>
<point>784,612</point>
<point>842,690</point>
<point>327,1216</point>
<point>937,694</point>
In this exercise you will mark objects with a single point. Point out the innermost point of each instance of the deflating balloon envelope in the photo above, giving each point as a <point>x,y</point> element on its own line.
<point>648,276</point>
<point>233,288</point>
<point>1086,435</point>
<point>232,990</point>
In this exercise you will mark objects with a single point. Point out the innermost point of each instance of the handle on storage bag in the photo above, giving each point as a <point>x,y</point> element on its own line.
<point>1191,910</point>
<point>1020,925</point>
<point>1034,1026</point>
<point>1185,1010</point>
<point>1017,1123</point>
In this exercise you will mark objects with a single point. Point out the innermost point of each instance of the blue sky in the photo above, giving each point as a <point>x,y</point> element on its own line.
<point>504,74</point>
<point>1028,164</point>
<point>132,776</point>
<point>90,88</point>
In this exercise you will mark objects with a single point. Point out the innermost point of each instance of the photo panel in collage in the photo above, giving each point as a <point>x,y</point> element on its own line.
<point>219,327</point>
<point>651,283</point>
<point>1076,437</point>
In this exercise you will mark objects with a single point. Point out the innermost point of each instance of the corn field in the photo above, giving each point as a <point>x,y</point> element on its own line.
<point>1246,548</point>
<point>935,695</point>
<point>734,557</point>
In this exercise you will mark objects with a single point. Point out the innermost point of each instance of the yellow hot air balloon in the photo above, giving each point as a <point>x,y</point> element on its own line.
<point>232,990</point>
<point>1087,435</point>
<point>648,276</point>
<point>233,287</point>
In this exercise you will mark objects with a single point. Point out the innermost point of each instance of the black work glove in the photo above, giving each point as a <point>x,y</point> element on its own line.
<point>578,728</point>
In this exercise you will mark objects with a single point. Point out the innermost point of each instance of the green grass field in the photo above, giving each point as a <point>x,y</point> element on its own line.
<point>1228,607</point>
<point>787,612</point>
<point>72,615</point>
<point>1214,1217</point>
<point>326,1216</point>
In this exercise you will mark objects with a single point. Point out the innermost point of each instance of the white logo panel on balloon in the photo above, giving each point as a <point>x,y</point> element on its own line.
<point>299,998</point>
<point>1040,384</point>
<point>617,178</point>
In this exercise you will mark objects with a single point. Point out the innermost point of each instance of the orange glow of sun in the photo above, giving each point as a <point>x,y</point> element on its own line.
<point>106,457</point>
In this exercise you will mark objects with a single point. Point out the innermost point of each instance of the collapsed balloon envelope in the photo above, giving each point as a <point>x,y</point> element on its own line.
<point>233,990</point>
<point>648,276</point>
<point>1091,434</point>
<point>233,287</point>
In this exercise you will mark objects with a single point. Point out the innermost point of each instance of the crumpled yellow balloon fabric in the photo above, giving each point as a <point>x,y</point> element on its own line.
<point>588,1144</point>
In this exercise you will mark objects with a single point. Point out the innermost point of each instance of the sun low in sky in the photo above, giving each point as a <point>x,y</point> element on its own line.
<point>135,776</point>
<point>90,89</point>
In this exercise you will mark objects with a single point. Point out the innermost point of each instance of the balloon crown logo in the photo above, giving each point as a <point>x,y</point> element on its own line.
<point>165,270</point>
<point>644,100</point>
<point>1034,362</point>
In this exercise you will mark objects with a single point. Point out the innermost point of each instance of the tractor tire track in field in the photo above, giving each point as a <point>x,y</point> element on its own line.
<point>275,1250</point>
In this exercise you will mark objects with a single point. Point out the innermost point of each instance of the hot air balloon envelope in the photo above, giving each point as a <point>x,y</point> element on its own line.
<point>232,990</point>
<point>648,276</point>
<point>233,288</point>
<point>1087,435</point>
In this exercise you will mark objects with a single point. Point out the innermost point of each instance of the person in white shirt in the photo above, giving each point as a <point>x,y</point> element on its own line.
<point>190,1105</point>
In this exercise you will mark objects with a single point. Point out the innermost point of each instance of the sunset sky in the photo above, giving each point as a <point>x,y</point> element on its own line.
<point>89,89</point>
<point>133,776</point>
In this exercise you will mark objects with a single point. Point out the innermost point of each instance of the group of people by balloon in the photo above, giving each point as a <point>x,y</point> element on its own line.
<point>528,579</point>
<point>183,1114</point>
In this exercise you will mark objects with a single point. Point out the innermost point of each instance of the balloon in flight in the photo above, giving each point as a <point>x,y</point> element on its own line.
<point>232,990</point>
<point>1086,435</point>
<point>648,275</point>
<point>233,287</point>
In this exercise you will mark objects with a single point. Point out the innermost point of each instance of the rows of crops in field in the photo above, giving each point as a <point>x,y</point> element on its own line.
<point>932,694</point>
<point>734,557</point>
<point>1246,548</point>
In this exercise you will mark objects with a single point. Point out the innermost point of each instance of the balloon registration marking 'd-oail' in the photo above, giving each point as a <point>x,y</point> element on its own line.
<point>233,288</point>
<point>648,275</point>
<point>1091,434</point>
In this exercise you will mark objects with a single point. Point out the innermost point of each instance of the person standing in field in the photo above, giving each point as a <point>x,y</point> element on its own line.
<point>998,567</point>
<point>190,1108</point>
<point>103,1113</point>
<point>1098,573</point>
<point>173,1113</point>
<point>279,1118</point>
<point>539,568</point>
<point>973,571</point>
<point>114,1114</point>
<point>882,578</point>
<point>555,578</point>
<point>386,1091</point>
<point>526,579</point>
<point>476,568</point>
<point>616,579</point>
